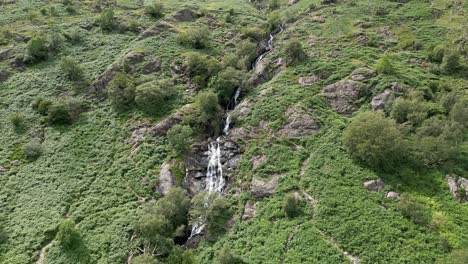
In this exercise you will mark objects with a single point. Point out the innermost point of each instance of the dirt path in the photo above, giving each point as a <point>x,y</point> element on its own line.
<point>42,255</point>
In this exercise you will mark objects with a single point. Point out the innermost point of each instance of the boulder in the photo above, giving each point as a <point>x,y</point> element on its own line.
<point>343,95</point>
<point>249,210</point>
<point>379,102</point>
<point>309,80</point>
<point>299,124</point>
<point>458,186</point>
<point>86,26</point>
<point>185,15</point>
<point>230,35</point>
<point>392,195</point>
<point>155,30</point>
<point>375,185</point>
<point>292,2</point>
<point>134,57</point>
<point>239,134</point>
<point>3,170</point>
<point>137,135</point>
<point>166,177</point>
<point>261,188</point>
<point>362,74</point>
<point>4,54</point>
<point>151,67</point>
<point>105,78</point>
<point>17,63</point>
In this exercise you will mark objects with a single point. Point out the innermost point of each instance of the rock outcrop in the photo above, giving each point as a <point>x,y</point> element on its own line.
<point>162,127</point>
<point>4,54</point>
<point>392,195</point>
<point>375,185</point>
<point>261,188</point>
<point>166,177</point>
<point>249,210</point>
<point>185,15</point>
<point>362,74</point>
<point>299,123</point>
<point>151,66</point>
<point>458,186</point>
<point>380,102</point>
<point>309,80</point>
<point>4,75</point>
<point>103,80</point>
<point>343,95</point>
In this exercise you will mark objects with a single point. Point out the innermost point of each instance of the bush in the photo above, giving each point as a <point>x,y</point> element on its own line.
<point>180,138</point>
<point>255,34</point>
<point>373,139</point>
<point>36,49</point>
<point>67,235</point>
<point>384,65</point>
<point>207,103</point>
<point>71,69</point>
<point>201,68</point>
<point>41,105</point>
<point>17,120</point>
<point>32,150</point>
<point>292,205</point>
<point>451,61</point>
<point>198,38</point>
<point>121,92</point>
<point>149,98</point>
<point>294,52</point>
<point>414,210</point>
<point>155,9</point>
<point>225,84</point>
<point>75,35</point>
<point>57,114</point>
<point>436,54</point>
<point>246,53</point>
<point>214,209</point>
<point>106,19</point>
<point>144,259</point>
<point>226,257</point>
<point>55,39</point>
<point>274,20</point>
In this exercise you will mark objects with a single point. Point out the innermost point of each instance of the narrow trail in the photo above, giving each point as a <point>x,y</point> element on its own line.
<point>353,259</point>
<point>42,255</point>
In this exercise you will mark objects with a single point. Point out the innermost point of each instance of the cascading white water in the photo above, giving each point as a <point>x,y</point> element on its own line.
<point>227,124</point>
<point>214,175</point>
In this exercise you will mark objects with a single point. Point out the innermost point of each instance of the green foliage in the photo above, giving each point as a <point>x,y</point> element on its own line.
<point>180,138</point>
<point>55,40</point>
<point>144,259</point>
<point>436,53</point>
<point>17,120</point>
<point>215,211</point>
<point>67,235</point>
<point>41,105</point>
<point>121,92</point>
<point>57,114</point>
<point>373,139</point>
<point>149,97</point>
<point>201,68</point>
<point>155,9</point>
<point>225,256</point>
<point>225,84</point>
<point>180,256</point>
<point>36,49</point>
<point>451,61</point>
<point>384,65</point>
<point>72,69</point>
<point>292,205</point>
<point>207,104</point>
<point>274,20</point>
<point>32,150</point>
<point>414,210</point>
<point>107,20</point>
<point>197,38</point>
<point>294,52</point>
<point>246,54</point>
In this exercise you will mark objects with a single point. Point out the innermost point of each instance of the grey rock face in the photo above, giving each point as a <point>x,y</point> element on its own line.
<point>4,54</point>
<point>4,75</point>
<point>458,186</point>
<point>392,195</point>
<point>106,77</point>
<point>249,210</point>
<point>379,102</point>
<point>309,80</point>
<point>162,127</point>
<point>343,95</point>
<point>375,185</point>
<point>299,123</point>
<point>151,67</point>
<point>362,74</point>
<point>166,177</point>
<point>134,57</point>
<point>261,188</point>
<point>186,15</point>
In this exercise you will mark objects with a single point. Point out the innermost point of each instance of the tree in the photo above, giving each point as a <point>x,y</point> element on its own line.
<point>201,68</point>
<point>144,259</point>
<point>106,19</point>
<point>373,139</point>
<point>121,92</point>
<point>451,61</point>
<point>384,65</point>
<point>225,84</point>
<point>294,52</point>
<point>32,150</point>
<point>246,54</point>
<point>214,209</point>
<point>225,256</point>
<point>292,205</point>
<point>180,138</point>
<point>17,120</point>
<point>207,103</point>
<point>155,9</point>
<point>71,69</point>
<point>414,210</point>
<point>197,38</point>
<point>57,114</point>
<point>67,235</point>
<point>149,97</point>
<point>36,49</point>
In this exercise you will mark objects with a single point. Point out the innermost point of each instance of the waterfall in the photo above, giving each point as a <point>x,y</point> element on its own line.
<point>227,124</point>
<point>214,175</point>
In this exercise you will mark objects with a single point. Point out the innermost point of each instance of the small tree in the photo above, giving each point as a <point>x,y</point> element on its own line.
<point>373,139</point>
<point>121,92</point>
<point>225,83</point>
<point>225,256</point>
<point>451,61</point>
<point>197,38</point>
<point>41,105</point>
<point>294,52</point>
<point>17,120</point>
<point>414,210</point>
<point>292,206</point>
<point>55,39</point>
<point>207,102</point>
<point>32,150</point>
<point>106,19</point>
<point>180,138</point>
<point>149,97</point>
<point>36,49</point>
<point>384,65</point>
<point>155,9</point>
<point>71,69</point>
<point>144,259</point>
<point>67,235</point>
<point>58,114</point>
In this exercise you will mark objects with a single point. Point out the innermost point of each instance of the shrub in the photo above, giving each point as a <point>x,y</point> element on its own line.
<point>32,150</point>
<point>41,105</point>
<point>121,92</point>
<point>74,36</point>
<point>57,114</point>
<point>246,54</point>
<point>144,259</point>
<point>436,54</point>
<point>201,68</point>
<point>294,52</point>
<point>225,83</point>
<point>292,205</point>
<point>149,97</point>
<point>274,20</point>
<point>207,102</point>
<point>413,210</point>
<point>71,69</point>
<point>106,19</point>
<point>384,65</point>
<point>273,4</point>
<point>373,139</point>
<point>198,38</point>
<point>214,209</point>
<point>36,49</point>
<point>255,34</point>
<point>451,61</point>
<point>17,120</point>
<point>67,235</point>
<point>155,9</point>
<point>74,108</point>
<point>225,256</point>
<point>180,138</point>
<point>55,39</point>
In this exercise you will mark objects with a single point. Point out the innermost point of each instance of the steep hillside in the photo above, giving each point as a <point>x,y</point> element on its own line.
<point>281,131</point>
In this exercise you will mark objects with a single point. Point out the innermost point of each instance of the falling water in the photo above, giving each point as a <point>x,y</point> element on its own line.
<point>214,175</point>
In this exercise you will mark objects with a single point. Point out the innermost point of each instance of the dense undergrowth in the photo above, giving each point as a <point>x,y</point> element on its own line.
<point>75,191</point>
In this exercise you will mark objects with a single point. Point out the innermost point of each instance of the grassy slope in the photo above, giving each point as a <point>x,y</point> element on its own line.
<point>87,172</point>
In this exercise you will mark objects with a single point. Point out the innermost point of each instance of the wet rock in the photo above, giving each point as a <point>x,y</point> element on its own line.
<point>261,73</point>
<point>362,74</point>
<point>4,75</point>
<point>375,185</point>
<point>185,15</point>
<point>162,127</point>
<point>299,124</point>
<point>392,195</point>
<point>309,80</point>
<point>166,177</point>
<point>261,188</point>
<point>458,186</point>
<point>249,210</point>
<point>343,95</point>
<point>105,78</point>
<point>151,67</point>
<point>242,110</point>
<point>4,54</point>
<point>379,102</point>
